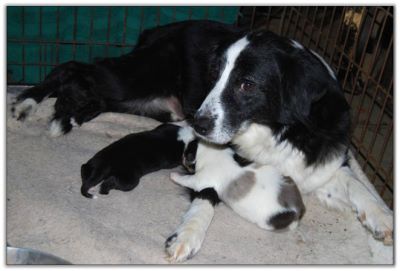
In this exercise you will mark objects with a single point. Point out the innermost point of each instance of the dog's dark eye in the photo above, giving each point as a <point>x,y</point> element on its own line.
<point>247,86</point>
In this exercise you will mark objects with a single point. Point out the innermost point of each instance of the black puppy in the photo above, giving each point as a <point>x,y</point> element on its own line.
<point>121,164</point>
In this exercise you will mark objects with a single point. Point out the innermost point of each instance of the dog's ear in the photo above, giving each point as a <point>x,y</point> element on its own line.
<point>304,89</point>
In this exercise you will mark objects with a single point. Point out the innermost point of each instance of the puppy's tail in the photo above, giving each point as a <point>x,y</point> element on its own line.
<point>90,178</point>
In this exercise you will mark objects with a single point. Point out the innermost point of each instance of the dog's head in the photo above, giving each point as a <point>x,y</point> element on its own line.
<point>267,79</point>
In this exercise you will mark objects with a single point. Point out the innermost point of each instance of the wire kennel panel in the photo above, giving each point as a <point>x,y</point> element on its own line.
<point>358,43</point>
<point>40,37</point>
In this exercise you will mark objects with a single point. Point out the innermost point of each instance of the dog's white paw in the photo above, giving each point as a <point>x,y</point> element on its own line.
<point>379,221</point>
<point>21,110</point>
<point>188,238</point>
<point>183,244</point>
<point>55,128</point>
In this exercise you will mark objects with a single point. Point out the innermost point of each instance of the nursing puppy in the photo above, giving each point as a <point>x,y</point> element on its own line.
<point>121,164</point>
<point>259,194</point>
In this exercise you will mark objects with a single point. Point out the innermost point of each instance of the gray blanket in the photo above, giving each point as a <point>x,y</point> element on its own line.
<point>45,210</point>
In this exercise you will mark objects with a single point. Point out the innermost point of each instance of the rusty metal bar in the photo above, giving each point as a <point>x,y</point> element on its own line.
<point>320,29</point>
<point>329,32</point>
<point>74,33</point>
<point>253,15</point>
<point>363,55</point>
<point>269,16</point>
<point>159,15</point>
<point>303,31</point>
<point>344,53</point>
<point>58,36</point>
<point>312,27</point>
<point>141,19</point>
<point>383,149</point>
<point>296,24</point>
<point>206,14</point>
<point>174,14</point>
<point>282,20</point>
<point>40,47</point>
<point>287,34</point>
<point>376,90</point>
<point>369,76</point>
<point>222,13</point>
<point>126,14</point>
<point>362,71</point>
<point>108,30</point>
<point>23,46</point>
<point>370,160</point>
<point>337,37</point>
<point>92,13</point>
<point>190,13</point>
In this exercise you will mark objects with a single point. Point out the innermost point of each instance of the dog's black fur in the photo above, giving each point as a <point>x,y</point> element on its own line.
<point>166,76</point>
<point>121,164</point>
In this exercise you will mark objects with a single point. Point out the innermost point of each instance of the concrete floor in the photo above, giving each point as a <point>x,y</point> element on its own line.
<point>45,210</point>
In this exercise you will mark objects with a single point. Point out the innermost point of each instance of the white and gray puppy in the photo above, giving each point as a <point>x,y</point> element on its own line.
<point>259,194</point>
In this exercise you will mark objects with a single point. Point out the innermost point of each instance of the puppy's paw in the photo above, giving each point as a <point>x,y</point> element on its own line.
<point>379,221</point>
<point>22,109</point>
<point>183,245</point>
<point>175,177</point>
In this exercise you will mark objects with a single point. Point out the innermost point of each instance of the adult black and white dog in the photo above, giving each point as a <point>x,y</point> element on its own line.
<point>277,102</point>
<point>280,104</point>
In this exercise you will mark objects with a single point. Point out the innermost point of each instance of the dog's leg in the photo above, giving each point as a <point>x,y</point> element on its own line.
<point>26,102</point>
<point>186,241</point>
<point>350,187</point>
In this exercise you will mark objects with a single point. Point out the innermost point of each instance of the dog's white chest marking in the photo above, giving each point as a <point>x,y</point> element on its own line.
<point>260,145</point>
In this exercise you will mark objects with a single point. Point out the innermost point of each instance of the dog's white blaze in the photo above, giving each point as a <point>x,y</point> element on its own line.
<point>331,72</point>
<point>212,103</point>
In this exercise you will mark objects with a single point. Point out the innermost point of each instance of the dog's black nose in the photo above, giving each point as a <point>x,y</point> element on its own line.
<point>203,124</point>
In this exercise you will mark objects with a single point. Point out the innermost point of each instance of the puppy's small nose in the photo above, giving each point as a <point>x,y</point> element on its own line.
<point>203,124</point>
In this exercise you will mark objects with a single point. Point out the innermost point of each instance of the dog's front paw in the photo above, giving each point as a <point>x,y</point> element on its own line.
<point>22,109</point>
<point>379,221</point>
<point>183,245</point>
